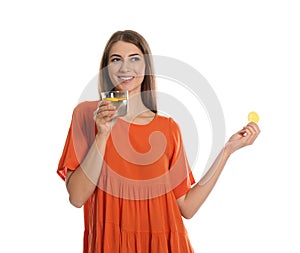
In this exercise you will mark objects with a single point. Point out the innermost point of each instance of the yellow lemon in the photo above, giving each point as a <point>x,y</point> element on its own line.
<point>115,99</point>
<point>253,117</point>
<point>111,99</point>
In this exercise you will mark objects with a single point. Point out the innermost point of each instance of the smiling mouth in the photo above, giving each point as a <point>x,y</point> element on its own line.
<point>126,78</point>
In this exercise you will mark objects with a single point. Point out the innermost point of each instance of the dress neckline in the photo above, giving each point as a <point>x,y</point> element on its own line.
<point>139,125</point>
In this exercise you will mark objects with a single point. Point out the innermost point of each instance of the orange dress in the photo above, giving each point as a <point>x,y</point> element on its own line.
<point>145,170</point>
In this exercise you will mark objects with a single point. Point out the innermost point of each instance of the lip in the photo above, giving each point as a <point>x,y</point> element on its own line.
<point>125,79</point>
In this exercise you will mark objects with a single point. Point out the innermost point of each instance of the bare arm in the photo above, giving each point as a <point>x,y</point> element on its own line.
<point>82,182</point>
<point>192,201</point>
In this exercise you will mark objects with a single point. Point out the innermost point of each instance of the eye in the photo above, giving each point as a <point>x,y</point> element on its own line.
<point>115,59</point>
<point>135,58</point>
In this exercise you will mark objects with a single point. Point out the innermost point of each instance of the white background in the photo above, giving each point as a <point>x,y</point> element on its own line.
<point>247,50</point>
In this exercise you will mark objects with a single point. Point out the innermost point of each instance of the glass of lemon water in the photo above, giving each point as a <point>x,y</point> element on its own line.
<point>119,99</point>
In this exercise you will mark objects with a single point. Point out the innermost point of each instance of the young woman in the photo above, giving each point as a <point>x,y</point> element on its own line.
<point>131,173</point>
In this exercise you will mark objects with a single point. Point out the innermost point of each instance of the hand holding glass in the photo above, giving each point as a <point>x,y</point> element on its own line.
<point>119,99</point>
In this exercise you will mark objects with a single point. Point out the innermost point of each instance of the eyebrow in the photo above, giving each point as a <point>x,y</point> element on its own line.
<point>117,55</point>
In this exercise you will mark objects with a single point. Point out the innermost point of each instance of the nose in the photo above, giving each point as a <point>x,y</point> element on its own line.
<point>124,66</point>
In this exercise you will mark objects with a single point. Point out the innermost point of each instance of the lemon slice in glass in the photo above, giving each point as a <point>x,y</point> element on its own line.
<point>111,99</point>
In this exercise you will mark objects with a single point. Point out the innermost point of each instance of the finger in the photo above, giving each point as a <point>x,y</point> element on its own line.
<point>251,129</point>
<point>251,133</point>
<point>243,131</point>
<point>105,114</point>
<point>254,126</point>
<point>104,105</point>
<point>104,108</point>
<point>255,131</point>
<point>103,102</point>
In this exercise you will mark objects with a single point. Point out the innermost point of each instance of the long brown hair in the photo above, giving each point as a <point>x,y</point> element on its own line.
<point>148,87</point>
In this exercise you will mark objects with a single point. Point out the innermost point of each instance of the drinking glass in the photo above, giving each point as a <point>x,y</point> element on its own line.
<point>119,99</point>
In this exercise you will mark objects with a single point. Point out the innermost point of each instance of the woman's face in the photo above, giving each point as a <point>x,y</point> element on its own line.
<point>126,66</point>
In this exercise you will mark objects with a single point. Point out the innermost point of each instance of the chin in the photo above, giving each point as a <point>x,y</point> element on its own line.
<point>121,88</point>
<point>128,87</point>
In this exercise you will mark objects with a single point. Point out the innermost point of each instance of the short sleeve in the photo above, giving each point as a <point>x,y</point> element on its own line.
<point>181,174</point>
<point>80,137</point>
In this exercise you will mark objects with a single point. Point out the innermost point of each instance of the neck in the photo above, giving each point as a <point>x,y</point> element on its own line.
<point>135,106</point>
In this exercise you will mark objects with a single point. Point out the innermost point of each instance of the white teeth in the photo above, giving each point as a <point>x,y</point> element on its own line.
<point>126,78</point>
